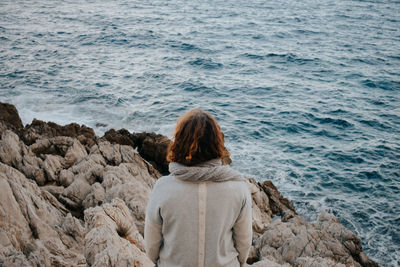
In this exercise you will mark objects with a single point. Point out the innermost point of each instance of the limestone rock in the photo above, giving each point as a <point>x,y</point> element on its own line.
<point>90,206</point>
<point>75,193</point>
<point>122,137</point>
<point>153,147</point>
<point>10,149</point>
<point>74,153</point>
<point>298,243</point>
<point>40,129</point>
<point>66,177</point>
<point>110,152</point>
<point>279,205</point>
<point>268,263</point>
<point>262,215</point>
<point>29,228</point>
<point>112,239</point>
<point>53,189</point>
<point>16,154</point>
<point>131,184</point>
<point>10,118</point>
<point>52,166</point>
<point>317,262</point>
<point>96,196</point>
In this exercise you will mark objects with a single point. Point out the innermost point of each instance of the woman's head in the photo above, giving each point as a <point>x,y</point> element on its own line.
<point>198,138</point>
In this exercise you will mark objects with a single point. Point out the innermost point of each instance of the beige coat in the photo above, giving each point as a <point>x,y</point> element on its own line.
<point>192,223</point>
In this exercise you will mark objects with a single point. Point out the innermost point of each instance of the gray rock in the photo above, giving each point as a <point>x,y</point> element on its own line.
<point>90,206</point>
<point>96,196</point>
<point>112,239</point>
<point>52,166</point>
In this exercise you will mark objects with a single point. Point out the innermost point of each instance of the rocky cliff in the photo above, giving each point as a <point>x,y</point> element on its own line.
<point>71,198</point>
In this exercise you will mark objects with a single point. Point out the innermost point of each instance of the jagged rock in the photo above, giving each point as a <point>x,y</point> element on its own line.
<point>66,177</point>
<point>15,153</point>
<point>77,172</point>
<point>75,193</point>
<point>74,153</point>
<point>317,262</point>
<point>110,152</point>
<point>112,239</point>
<point>262,215</point>
<point>153,147</point>
<point>131,184</point>
<point>93,159</point>
<point>122,137</point>
<point>32,168</point>
<point>95,197</point>
<point>10,118</point>
<point>53,189</point>
<point>268,263</point>
<point>279,205</point>
<point>59,145</point>
<point>52,166</point>
<point>295,241</point>
<point>29,228</point>
<point>351,241</point>
<point>10,149</point>
<point>40,129</point>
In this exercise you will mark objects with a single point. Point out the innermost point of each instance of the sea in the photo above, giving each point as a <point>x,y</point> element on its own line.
<point>307,92</point>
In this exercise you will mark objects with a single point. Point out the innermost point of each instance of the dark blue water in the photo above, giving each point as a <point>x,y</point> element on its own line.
<point>307,92</point>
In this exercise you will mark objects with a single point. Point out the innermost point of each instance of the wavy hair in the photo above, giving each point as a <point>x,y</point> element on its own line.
<point>198,138</point>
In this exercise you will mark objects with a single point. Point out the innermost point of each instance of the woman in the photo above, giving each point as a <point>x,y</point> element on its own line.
<point>199,215</point>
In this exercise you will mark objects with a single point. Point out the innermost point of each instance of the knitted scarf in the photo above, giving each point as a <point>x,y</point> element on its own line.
<point>211,170</point>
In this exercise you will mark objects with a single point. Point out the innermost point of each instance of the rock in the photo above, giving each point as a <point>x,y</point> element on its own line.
<point>66,177</point>
<point>262,215</point>
<point>131,184</point>
<point>110,152</point>
<point>349,240</point>
<point>74,153</point>
<point>40,129</point>
<point>153,148</point>
<point>16,259</point>
<point>29,228</point>
<point>9,118</point>
<point>268,263</point>
<point>10,149</point>
<point>32,168</point>
<point>15,153</point>
<point>301,243</point>
<point>122,137</point>
<point>95,197</point>
<point>53,189</point>
<point>93,159</point>
<point>75,193</point>
<point>52,166</point>
<point>317,262</point>
<point>279,205</point>
<point>112,239</point>
<point>90,206</point>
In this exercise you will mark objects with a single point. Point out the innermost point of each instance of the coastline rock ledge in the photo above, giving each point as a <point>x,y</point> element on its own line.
<point>71,198</point>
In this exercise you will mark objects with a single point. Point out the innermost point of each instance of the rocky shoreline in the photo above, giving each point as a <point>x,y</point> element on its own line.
<point>71,198</point>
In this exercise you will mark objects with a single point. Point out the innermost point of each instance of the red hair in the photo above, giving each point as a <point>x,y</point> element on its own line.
<point>198,138</point>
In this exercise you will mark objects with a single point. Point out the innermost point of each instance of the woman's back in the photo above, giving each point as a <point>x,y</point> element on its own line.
<point>199,215</point>
<point>198,221</point>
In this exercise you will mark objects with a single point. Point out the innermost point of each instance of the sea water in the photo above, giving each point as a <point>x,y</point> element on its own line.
<point>307,92</point>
